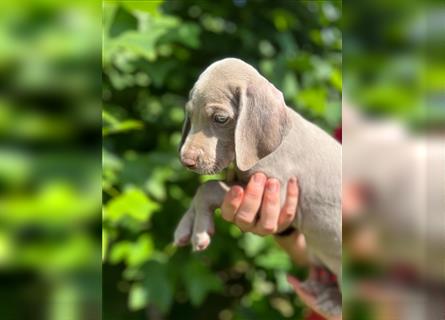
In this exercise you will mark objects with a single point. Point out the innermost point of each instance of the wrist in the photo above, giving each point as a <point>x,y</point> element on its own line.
<point>286,232</point>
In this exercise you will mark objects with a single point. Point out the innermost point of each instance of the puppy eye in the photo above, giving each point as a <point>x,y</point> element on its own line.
<point>219,118</point>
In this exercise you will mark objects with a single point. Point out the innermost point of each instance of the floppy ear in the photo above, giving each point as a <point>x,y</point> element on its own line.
<point>261,123</point>
<point>185,131</point>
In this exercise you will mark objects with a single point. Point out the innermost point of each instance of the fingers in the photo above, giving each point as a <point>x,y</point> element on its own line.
<point>183,231</point>
<point>231,203</point>
<point>242,206</point>
<point>270,209</point>
<point>272,219</point>
<point>288,212</point>
<point>245,216</point>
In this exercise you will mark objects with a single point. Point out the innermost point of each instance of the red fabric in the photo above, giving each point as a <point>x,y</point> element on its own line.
<point>325,275</point>
<point>338,134</point>
<point>314,316</point>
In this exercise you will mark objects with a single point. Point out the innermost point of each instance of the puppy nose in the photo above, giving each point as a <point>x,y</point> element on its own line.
<point>189,163</point>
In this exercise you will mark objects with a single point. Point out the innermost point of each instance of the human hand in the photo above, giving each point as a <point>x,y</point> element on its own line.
<point>257,208</point>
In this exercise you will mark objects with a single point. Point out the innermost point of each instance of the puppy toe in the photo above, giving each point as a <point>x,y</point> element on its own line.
<point>183,241</point>
<point>184,229</point>
<point>200,241</point>
<point>182,237</point>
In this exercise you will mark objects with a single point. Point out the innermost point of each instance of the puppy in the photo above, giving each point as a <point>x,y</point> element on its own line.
<point>235,114</point>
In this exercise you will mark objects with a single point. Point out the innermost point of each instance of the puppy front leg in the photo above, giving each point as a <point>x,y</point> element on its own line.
<point>197,223</point>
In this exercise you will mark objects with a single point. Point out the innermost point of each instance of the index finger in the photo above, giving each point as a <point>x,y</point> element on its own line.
<point>231,203</point>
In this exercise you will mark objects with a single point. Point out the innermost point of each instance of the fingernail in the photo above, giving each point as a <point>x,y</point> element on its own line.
<point>293,180</point>
<point>258,177</point>
<point>272,186</point>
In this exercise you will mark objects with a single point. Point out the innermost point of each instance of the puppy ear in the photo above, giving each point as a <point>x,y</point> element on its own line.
<point>261,123</point>
<point>185,131</point>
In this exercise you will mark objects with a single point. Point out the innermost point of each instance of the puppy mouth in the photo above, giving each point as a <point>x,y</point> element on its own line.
<point>207,170</point>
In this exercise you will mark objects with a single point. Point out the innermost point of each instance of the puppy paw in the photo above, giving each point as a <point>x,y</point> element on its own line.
<point>329,301</point>
<point>312,286</point>
<point>200,241</point>
<point>196,226</point>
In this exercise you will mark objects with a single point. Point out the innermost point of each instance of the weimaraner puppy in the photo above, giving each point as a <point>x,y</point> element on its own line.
<point>235,114</point>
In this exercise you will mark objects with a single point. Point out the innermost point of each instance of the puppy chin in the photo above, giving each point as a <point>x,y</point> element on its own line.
<point>209,169</point>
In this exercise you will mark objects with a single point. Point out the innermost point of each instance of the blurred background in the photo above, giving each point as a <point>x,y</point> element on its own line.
<point>50,198</point>
<point>393,160</point>
<point>51,262</point>
<point>153,52</point>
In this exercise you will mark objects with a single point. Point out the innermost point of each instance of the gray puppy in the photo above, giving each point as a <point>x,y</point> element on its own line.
<point>235,114</point>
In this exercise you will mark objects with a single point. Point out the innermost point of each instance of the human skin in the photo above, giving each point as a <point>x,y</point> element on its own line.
<point>257,209</point>
<point>262,197</point>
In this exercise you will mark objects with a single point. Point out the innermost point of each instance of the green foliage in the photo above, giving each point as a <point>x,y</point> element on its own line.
<point>50,199</point>
<point>152,54</point>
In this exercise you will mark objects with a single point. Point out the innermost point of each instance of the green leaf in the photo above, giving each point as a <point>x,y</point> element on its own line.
<point>104,243</point>
<point>150,7</point>
<point>336,79</point>
<point>253,244</point>
<point>200,282</point>
<point>158,286</point>
<point>275,259</point>
<point>133,203</point>
<point>138,297</point>
<point>110,160</point>
<point>123,21</point>
<point>119,251</point>
<point>133,253</point>
<point>290,85</point>
<point>123,126</point>
<point>141,44</point>
<point>140,251</point>
<point>313,99</point>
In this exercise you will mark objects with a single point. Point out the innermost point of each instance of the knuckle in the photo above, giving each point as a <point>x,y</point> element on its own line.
<point>226,217</point>
<point>264,230</point>
<point>287,216</point>
<point>243,219</point>
<point>288,213</point>
<point>259,232</point>
<point>268,229</point>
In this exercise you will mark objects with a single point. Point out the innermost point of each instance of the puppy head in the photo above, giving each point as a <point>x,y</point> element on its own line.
<point>233,114</point>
